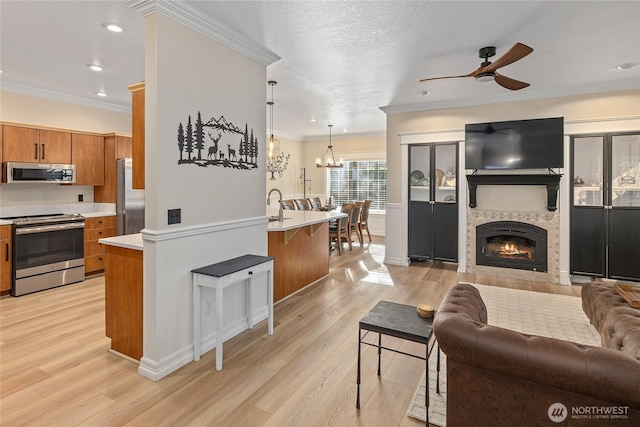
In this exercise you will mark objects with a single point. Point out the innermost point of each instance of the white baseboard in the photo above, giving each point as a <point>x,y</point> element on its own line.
<point>157,371</point>
<point>462,266</point>
<point>396,261</point>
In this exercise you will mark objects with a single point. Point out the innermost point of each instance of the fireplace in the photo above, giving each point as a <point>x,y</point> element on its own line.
<point>511,244</point>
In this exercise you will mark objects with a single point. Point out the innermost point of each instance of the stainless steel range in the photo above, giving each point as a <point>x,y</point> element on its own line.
<point>48,251</point>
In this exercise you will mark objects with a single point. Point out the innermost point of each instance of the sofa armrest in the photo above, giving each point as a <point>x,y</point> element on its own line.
<point>604,374</point>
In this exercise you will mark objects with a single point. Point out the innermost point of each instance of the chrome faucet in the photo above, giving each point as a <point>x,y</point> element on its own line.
<point>280,212</point>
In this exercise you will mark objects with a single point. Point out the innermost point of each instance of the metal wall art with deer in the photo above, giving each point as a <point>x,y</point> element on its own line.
<point>197,148</point>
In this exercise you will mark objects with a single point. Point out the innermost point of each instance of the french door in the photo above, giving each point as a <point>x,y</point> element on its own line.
<point>605,214</point>
<point>433,201</point>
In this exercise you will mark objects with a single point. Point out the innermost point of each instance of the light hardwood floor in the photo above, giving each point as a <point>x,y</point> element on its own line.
<point>55,368</point>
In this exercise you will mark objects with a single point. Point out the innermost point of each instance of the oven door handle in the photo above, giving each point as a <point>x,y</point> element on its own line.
<point>52,227</point>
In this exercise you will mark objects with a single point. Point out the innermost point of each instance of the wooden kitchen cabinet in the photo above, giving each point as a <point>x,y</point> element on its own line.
<point>115,147</point>
<point>123,280</point>
<point>5,261</point>
<point>31,145</point>
<point>87,153</point>
<point>94,229</point>
<point>138,135</point>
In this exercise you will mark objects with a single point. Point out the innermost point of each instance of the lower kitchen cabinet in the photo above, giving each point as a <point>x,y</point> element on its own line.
<point>94,229</point>
<point>123,282</point>
<point>5,261</point>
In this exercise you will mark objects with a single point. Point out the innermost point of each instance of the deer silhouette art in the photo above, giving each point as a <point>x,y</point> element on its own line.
<point>232,152</point>
<point>213,149</point>
<point>221,156</point>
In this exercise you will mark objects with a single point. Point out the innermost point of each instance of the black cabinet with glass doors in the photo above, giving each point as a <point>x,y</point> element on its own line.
<point>605,214</point>
<point>433,202</point>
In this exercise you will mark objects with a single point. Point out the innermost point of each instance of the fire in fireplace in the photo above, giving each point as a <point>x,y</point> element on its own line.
<point>511,244</point>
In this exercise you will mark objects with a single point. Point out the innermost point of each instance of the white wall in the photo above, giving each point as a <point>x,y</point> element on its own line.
<point>30,110</point>
<point>289,182</point>
<point>223,209</point>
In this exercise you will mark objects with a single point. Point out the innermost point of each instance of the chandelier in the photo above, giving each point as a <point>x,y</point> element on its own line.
<point>276,161</point>
<point>329,160</point>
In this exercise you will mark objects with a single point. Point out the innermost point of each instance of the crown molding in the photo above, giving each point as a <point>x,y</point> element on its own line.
<point>62,97</point>
<point>348,135</point>
<point>619,85</point>
<point>198,21</point>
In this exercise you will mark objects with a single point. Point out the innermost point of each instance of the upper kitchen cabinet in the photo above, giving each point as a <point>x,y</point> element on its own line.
<point>87,153</point>
<point>24,144</point>
<point>115,147</point>
<point>137,128</point>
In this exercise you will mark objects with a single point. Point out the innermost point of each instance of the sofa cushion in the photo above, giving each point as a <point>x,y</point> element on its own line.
<point>597,300</point>
<point>617,322</point>
<point>621,330</point>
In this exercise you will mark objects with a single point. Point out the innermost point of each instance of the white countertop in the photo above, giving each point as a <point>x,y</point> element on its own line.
<point>293,219</point>
<point>297,219</point>
<point>96,214</point>
<point>87,210</point>
<point>84,214</point>
<point>128,241</point>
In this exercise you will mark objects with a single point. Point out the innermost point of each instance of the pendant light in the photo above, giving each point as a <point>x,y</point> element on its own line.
<point>276,161</point>
<point>329,160</point>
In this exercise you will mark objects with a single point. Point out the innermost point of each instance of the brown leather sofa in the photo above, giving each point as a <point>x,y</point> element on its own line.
<point>617,322</point>
<point>501,377</point>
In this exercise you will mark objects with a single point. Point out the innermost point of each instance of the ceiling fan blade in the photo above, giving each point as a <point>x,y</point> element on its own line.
<point>509,83</point>
<point>448,77</point>
<point>517,52</point>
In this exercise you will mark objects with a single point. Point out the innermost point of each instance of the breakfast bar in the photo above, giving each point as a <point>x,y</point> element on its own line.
<point>300,247</point>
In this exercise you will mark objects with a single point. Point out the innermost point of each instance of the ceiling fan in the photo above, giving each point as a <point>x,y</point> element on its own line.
<point>487,71</point>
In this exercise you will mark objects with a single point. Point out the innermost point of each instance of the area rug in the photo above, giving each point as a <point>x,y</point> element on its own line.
<point>535,313</point>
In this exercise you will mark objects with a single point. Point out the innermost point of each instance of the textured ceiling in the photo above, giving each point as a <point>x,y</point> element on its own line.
<point>341,61</point>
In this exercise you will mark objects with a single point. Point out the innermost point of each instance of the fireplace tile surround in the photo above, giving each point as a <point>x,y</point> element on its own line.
<point>550,221</point>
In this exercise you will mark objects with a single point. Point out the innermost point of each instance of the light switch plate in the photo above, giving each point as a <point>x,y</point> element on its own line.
<point>174,216</point>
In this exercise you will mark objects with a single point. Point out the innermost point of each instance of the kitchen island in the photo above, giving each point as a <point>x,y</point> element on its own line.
<point>123,293</point>
<point>300,246</point>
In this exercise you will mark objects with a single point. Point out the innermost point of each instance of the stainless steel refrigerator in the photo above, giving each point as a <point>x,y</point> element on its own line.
<point>129,202</point>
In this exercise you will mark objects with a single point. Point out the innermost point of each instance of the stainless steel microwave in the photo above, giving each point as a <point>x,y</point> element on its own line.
<point>14,172</point>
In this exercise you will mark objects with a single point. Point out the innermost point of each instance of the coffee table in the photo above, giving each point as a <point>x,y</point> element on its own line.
<point>399,321</point>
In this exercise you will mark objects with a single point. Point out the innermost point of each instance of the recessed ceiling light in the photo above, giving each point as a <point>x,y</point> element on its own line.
<point>424,92</point>
<point>101,93</point>
<point>112,27</point>
<point>312,119</point>
<point>94,67</point>
<point>345,130</point>
<point>627,66</point>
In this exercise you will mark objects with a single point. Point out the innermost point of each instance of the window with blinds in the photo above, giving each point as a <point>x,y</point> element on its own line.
<point>360,180</point>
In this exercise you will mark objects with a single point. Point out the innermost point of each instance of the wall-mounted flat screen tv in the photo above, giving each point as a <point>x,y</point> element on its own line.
<point>518,144</point>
